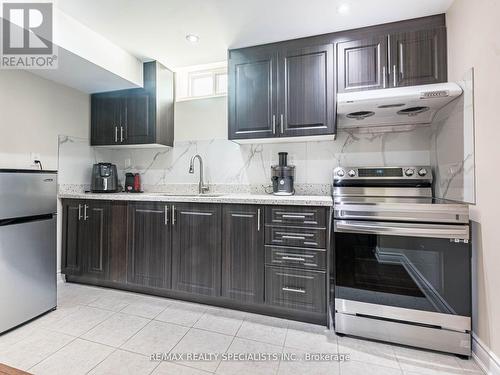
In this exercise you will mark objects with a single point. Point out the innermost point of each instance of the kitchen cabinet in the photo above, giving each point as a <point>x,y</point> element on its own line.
<point>306,95</point>
<point>196,248</point>
<point>362,64</point>
<point>243,253</point>
<point>203,252</point>
<point>85,238</point>
<point>142,116</point>
<point>150,251</point>
<point>418,57</point>
<point>396,59</point>
<point>252,93</point>
<point>280,91</point>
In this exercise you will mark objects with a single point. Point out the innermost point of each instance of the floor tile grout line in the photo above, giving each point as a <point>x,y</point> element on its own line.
<point>109,355</point>
<point>50,355</point>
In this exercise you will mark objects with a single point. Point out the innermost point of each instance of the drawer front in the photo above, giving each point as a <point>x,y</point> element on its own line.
<point>297,216</point>
<point>293,236</point>
<point>296,289</point>
<point>296,257</point>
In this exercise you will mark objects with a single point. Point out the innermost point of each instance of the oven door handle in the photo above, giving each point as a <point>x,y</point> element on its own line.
<point>453,232</point>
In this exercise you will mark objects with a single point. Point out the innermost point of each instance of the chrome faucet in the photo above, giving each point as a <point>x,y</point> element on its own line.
<point>202,187</point>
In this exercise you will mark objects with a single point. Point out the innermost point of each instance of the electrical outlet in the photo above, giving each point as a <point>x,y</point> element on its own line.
<point>128,163</point>
<point>34,156</point>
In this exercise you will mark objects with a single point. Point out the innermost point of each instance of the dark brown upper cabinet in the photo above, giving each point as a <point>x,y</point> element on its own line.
<point>418,57</point>
<point>149,250</point>
<point>243,253</point>
<point>143,116</point>
<point>281,90</point>
<point>362,64</point>
<point>306,90</point>
<point>392,60</point>
<point>252,93</point>
<point>196,248</point>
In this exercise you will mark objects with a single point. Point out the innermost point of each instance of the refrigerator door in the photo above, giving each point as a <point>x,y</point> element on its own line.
<point>27,270</point>
<point>27,193</point>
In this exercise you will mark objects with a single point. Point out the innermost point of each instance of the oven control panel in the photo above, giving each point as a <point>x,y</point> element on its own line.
<point>383,173</point>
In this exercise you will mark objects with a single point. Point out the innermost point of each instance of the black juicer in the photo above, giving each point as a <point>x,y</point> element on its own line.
<point>282,176</point>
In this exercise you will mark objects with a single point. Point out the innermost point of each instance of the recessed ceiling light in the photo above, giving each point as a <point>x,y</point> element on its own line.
<point>192,38</point>
<point>343,8</point>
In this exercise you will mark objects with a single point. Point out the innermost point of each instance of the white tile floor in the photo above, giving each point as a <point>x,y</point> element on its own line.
<point>103,331</point>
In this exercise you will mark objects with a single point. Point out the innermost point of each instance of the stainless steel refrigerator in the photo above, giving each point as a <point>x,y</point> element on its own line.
<point>28,249</point>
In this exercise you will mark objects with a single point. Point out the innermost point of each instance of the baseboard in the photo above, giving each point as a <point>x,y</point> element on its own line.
<point>485,358</point>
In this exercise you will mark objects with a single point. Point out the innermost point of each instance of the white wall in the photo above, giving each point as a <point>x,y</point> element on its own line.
<point>34,111</point>
<point>474,41</point>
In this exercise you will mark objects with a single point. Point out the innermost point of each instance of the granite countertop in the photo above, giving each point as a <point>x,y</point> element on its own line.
<point>242,198</point>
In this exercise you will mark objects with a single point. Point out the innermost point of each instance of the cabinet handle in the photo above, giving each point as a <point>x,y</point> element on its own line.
<point>166,215</point>
<point>116,134</point>
<point>394,80</point>
<point>294,258</point>
<point>384,77</point>
<point>258,220</point>
<point>293,290</point>
<point>274,124</point>
<point>293,216</point>
<point>121,134</point>
<point>173,215</point>
<point>294,237</point>
<point>79,212</point>
<point>281,123</point>
<point>85,217</point>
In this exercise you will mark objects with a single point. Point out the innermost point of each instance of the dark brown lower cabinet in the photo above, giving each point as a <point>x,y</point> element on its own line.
<point>196,248</point>
<point>296,289</point>
<point>86,238</point>
<point>243,253</point>
<point>209,253</point>
<point>150,251</point>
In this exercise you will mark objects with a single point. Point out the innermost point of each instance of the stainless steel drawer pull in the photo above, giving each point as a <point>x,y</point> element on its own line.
<point>79,212</point>
<point>258,219</point>
<point>310,243</point>
<point>166,215</point>
<point>173,215</point>
<point>85,217</point>
<point>116,134</point>
<point>293,255</point>
<point>293,290</point>
<point>294,258</point>
<point>294,216</point>
<point>196,213</point>
<point>294,237</point>
<point>241,215</point>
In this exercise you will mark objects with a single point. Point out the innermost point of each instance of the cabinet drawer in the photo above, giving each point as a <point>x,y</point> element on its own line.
<point>298,216</point>
<point>296,289</point>
<point>293,236</point>
<point>296,257</point>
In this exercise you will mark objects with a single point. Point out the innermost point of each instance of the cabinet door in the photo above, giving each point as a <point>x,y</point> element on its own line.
<point>418,57</point>
<point>105,119</point>
<point>196,251</point>
<point>243,253</point>
<point>138,127</point>
<point>149,234</point>
<point>252,93</point>
<point>362,64</point>
<point>96,241</point>
<point>306,91</point>
<point>73,235</point>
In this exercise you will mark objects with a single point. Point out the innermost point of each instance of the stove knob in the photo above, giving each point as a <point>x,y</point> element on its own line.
<point>422,172</point>
<point>351,173</point>
<point>340,173</point>
<point>409,172</point>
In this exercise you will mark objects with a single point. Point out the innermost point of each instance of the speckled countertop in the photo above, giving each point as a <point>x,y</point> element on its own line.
<point>245,198</point>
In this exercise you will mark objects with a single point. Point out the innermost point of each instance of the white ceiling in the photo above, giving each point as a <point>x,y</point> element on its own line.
<point>156,29</point>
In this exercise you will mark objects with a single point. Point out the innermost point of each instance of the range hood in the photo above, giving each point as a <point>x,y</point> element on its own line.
<point>397,106</point>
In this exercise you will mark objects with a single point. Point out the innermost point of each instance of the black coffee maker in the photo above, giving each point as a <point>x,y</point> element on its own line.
<point>282,176</point>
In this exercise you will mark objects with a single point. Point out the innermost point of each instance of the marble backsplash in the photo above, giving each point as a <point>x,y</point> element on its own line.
<point>246,168</point>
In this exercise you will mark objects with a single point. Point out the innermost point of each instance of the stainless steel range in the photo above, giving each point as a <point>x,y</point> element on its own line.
<point>401,268</point>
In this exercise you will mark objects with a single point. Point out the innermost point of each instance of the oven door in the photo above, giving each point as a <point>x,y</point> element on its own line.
<point>410,266</point>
